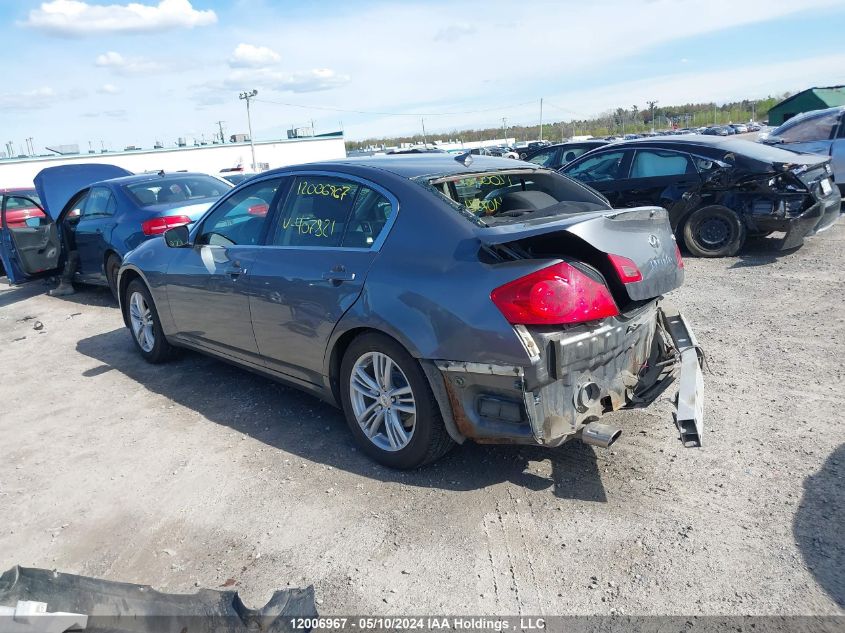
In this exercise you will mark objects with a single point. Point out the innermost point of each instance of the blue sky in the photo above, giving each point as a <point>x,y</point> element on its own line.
<point>126,73</point>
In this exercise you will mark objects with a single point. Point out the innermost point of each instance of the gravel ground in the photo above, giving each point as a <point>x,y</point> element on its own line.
<point>199,474</point>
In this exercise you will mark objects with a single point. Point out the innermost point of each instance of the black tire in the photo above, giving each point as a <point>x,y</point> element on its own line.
<point>429,440</point>
<point>714,232</point>
<point>112,266</point>
<point>161,350</point>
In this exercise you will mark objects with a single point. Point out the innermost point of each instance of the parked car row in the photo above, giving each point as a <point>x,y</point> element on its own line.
<point>435,298</point>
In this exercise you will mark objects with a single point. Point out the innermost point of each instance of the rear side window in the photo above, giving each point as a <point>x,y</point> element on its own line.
<point>654,164</point>
<point>370,215</point>
<point>605,166</point>
<point>543,158</point>
<point>315,212</point>
<point>101,203</point>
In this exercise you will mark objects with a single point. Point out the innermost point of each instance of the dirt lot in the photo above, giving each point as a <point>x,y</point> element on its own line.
<point>198,474</point>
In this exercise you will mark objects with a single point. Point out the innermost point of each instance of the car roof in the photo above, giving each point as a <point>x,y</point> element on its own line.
<point>16,190</point>
<point>691,142</point>
<point>416,165</point>
<point>136,178</point>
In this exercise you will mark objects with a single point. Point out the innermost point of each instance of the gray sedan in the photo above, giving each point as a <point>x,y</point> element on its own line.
<point>434,298</point>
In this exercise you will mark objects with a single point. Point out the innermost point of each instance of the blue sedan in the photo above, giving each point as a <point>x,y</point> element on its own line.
<point>96,214</point>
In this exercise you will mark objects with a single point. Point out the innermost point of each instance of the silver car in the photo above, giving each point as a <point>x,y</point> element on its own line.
<point>817,132</point>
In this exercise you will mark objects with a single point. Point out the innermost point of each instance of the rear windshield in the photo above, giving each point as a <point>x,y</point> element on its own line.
<point>500,197</point>
<point>169,189</point>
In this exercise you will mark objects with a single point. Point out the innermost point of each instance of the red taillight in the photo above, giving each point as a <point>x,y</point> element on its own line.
<point>678,257</point>
<point>258,209</point>
<point>626,269</point>
<point>157,226</point>
<point>554,295</point>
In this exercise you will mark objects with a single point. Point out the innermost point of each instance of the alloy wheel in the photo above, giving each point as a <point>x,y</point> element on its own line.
<point>141,318</point>
<point>382,401</point>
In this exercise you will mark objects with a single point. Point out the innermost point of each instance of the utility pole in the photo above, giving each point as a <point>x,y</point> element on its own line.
<point>220,125</point>
<point>246,96</point>
<point>651,105</point>
<point>714,114</point>
<point>313,128</point>
<point>425,143</point>
<point>505,127</point>
<point>541,118</point>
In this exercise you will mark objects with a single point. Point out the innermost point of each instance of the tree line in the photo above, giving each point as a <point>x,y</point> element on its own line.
<point>612,122</point>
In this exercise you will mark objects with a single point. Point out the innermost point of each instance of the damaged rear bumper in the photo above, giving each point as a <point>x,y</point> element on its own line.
<point>575,377</point>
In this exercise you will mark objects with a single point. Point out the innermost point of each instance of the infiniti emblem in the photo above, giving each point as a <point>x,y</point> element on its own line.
<point>652,239</point>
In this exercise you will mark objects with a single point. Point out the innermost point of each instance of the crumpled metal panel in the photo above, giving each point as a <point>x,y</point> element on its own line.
<point>118,607</point>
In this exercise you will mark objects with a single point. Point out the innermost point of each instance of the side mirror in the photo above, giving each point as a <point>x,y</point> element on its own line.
<point>177,237</point>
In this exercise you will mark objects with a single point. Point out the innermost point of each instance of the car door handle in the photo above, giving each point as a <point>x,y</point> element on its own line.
<point>338,276</point>
<point>235,270</point>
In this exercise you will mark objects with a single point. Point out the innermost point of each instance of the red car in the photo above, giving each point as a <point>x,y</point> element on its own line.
<point>19,210</point>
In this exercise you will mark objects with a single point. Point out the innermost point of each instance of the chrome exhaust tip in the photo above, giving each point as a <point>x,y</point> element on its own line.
<point>597,434</point>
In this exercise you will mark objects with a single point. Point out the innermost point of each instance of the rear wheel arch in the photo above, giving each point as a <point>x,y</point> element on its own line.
<point>432,374</point>
<point>123,283</point>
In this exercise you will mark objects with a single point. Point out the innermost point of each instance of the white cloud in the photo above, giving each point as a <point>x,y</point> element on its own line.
<point>76,18</point>
<point>300,81</point>
<point>454,32</point>
<point>249,56</point>
<point>108,89</point>
<point>121,65</point>
<point>36,99</point>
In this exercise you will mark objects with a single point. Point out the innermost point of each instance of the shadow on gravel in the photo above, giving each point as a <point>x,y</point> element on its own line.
<point>761,251</point>
<point>84,295</point>
<point>303,425</point>
<point>819,526</point>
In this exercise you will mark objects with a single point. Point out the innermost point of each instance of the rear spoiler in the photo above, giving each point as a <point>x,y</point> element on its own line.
<point>502,234</point>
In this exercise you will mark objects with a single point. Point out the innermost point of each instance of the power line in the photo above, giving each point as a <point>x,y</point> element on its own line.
<point>415,114</point>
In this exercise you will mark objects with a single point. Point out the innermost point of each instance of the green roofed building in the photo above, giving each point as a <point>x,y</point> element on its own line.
<point>805,101</point>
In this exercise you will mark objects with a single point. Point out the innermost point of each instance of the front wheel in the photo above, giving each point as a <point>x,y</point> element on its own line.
<point>714,232</point>
<point>145,324</point>
<point>389,405</point>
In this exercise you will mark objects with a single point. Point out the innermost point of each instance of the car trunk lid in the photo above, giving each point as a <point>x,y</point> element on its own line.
<point>57,185</point>
<point>642,235</point>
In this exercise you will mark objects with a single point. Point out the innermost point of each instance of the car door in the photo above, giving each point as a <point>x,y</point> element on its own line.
<point>603,170</point>
<point>92,232</point>
<point>658,177</point>
<point>324,239</point>
<point>208,284</point>
<point>30,249</point>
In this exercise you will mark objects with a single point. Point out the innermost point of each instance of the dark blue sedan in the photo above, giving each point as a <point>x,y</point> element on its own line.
<point>94,215</point>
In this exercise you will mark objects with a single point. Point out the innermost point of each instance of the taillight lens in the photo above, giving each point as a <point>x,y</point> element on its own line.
<point>157,226</point>
<point>678,257</point>
<point>626,269</point>
<point>258,209</point>
<point>555,295</point>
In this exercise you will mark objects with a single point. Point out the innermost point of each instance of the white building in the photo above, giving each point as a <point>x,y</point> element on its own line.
<point>209,159</point>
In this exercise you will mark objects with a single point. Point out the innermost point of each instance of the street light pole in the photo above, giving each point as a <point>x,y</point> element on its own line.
<point>246,96</point>
<point>651,105</point>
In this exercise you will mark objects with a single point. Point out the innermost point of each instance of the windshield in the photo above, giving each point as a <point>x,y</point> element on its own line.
<point>503,196</point>
<point>169,189</point>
